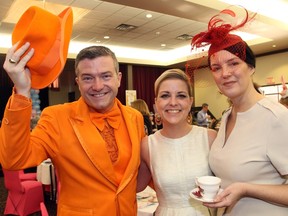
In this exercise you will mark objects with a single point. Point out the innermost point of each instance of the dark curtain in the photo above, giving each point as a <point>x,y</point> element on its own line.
<point>143,82</point>
<point>5,87</point>
<point>44,98</point>
<point>124,82</point>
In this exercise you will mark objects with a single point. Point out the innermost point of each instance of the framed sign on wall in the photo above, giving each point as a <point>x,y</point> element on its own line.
<point>272,91</point>
<point>130,96</point>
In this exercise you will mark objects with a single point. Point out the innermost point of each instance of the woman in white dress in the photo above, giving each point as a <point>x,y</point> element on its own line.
<point>250,153</point>
<point>176,154</point>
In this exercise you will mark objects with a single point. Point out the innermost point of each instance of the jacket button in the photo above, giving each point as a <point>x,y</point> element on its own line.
<point>5,121</point>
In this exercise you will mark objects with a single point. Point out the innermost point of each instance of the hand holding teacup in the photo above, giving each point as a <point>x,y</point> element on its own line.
<point>209,186</point>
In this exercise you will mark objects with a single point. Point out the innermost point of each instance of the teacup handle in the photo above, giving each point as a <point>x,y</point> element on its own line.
<point>196,181</point>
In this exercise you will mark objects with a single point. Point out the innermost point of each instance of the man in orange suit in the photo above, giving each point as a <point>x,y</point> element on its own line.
<point>94,143</point>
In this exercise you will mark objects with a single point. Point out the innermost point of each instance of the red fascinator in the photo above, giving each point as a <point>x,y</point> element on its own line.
<point>218,36</point>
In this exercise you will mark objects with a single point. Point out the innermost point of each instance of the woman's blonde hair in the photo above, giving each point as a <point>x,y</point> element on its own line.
<point>173,74</point>
<point>141,106</point>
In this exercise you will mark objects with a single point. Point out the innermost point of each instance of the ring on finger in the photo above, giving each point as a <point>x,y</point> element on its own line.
<point>12,61</point>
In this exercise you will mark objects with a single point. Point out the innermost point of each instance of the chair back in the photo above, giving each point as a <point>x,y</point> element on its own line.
<point>12,180</point>
<point>24,197</point>
<point>43,208</point>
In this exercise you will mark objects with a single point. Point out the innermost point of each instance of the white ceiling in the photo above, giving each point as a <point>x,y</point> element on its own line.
<point>94,19</point>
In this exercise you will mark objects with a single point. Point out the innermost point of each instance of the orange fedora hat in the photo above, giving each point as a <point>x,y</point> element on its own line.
<point>49,35</point>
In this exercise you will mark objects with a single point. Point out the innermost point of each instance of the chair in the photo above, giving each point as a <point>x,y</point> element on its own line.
<point>43,208</point>
<point>27,176</point>
<point>24,197</point>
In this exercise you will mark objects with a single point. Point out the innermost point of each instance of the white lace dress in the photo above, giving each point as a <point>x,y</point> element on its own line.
<point>174,165</point>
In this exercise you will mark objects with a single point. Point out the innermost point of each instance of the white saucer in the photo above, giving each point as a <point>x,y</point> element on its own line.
<point>200,198</point>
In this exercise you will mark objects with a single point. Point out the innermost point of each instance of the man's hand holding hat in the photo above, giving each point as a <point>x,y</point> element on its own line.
<point>16,68</point>
<point>39,51</point>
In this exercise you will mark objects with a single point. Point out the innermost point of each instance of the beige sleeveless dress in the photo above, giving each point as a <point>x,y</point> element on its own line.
<point>174,165</point>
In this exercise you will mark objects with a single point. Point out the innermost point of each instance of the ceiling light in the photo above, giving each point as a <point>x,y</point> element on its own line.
<point>106,37</point>
<point>148,16</point>
<point>184,37</point>
<point>163,45</point>
<point>125,27</point>
<point>20,6</point>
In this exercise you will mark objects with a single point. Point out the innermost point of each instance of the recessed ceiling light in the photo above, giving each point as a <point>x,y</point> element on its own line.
<point>106,37</point>
<point>184,37</point>
<point>148,16</point>
<point>125,27</point>
<point>274,45</point>
<point>163,45</point>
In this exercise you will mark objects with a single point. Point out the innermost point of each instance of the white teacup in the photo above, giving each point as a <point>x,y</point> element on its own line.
<point>209,186</point>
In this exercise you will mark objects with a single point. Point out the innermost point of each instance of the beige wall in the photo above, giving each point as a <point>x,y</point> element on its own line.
<point>267,66</point>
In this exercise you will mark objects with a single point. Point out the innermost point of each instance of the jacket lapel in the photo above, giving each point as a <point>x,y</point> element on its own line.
<point>134,162</point>
<point>92,142</point>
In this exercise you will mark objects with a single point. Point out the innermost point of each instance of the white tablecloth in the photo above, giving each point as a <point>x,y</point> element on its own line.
<point>45,172</point>
<point>147,202</point>
<point>46,175</point>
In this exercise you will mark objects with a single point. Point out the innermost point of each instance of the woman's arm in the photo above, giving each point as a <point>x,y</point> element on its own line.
<point>211,136</point>
<point>144,174</point>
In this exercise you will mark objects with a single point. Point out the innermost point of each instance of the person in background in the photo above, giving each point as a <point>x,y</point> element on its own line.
<point>251,150</point>
<point>94,143</point>
<point>178,153</point>
<point>203,119</point>
<point>152,119</point>
<point>142,107</point>
<point>284,94</point>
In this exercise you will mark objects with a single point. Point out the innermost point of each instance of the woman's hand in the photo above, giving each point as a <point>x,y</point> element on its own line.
<point>229,196</point>
<point>15,66</point>
<point>277,194</point>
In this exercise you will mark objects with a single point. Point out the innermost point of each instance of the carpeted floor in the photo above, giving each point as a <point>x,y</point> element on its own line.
<point>3,196</point>
<point>50,205</point>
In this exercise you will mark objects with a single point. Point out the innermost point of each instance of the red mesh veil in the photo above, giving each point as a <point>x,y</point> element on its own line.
<point>219,36</point>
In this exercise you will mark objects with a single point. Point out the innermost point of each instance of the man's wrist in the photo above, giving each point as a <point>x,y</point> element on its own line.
<point>24,93</point>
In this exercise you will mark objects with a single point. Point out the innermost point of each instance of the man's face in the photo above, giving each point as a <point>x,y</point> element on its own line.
<point>98,82</point>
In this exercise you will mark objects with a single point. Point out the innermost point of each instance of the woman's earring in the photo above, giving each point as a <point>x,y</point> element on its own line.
<point>158,119</point>
<point>189,118</point>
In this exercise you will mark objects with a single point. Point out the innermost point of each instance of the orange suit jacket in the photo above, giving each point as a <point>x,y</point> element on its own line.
<point>66,134</point>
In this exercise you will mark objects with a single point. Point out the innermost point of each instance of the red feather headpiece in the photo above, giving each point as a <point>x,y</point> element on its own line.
<point>219,37</point>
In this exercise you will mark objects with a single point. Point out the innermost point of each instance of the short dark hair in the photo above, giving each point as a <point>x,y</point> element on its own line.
<point>95,52</point>
<point>241,50</point>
